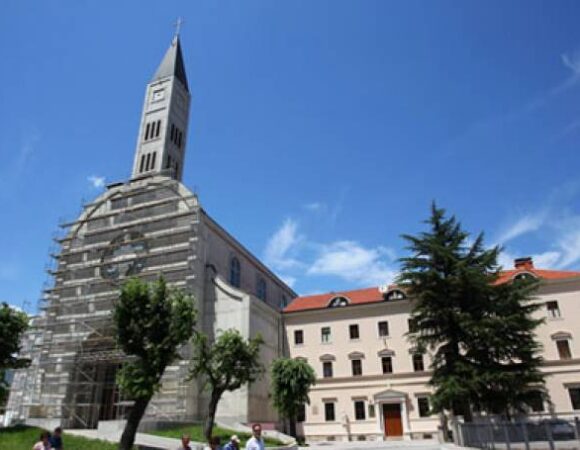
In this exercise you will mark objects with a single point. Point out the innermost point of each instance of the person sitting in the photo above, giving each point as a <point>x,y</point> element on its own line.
<point>44,443</point>
<point>56,439</point>
<point>185,440</point>
<point>214,443</point>
<point>233,444</point>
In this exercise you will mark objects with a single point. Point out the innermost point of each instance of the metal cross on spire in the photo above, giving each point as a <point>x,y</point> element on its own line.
<point>178,26</point>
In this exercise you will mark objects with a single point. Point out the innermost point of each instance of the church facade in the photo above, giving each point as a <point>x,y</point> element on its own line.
<point>148,226</point>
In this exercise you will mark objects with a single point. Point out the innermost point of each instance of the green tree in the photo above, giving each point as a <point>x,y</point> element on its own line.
<point>225,364</point>
<point>152,321</point>
<point>291,383</point>
<point>506,355</point>
<point>13,324</point>
<point>480,333</point>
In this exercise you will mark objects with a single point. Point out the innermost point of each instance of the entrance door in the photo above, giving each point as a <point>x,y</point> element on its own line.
<point>109,393</point>
<point>392,418</point>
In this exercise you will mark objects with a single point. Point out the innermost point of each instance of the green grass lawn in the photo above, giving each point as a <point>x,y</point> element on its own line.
<point>23,438</point>
<point>196,433</point>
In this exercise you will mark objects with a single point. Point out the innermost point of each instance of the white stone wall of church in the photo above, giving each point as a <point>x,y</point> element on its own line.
<point>229,308</point>
<point>266,321</point>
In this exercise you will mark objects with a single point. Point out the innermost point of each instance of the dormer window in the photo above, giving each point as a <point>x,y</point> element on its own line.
<point>524,276</point>
<point>395,294</point>
<point>337,302</point>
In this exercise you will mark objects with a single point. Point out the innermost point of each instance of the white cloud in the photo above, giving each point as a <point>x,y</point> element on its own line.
<point>569,244</point>
<point>282,244</point>
<point>506,260</point>
<point>15,308</point>
<point>96,181</point>
<point>29,141</point>
<point>290,281</point>
<point>522,226</point>
<point>547,259</point>
<point>563,230</point>
<point>572,61</point>
<point>353,262</point>
<point>314,206</point>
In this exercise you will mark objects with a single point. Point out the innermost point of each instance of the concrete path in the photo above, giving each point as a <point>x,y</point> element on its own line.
<point>148,441</point>
<point>382,445</point>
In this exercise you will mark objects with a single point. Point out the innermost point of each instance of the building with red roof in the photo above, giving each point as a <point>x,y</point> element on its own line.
<point>372,385</point>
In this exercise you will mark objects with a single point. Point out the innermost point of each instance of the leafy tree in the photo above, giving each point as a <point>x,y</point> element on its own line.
<point>291,382</point>
<point>225,365</point>
<point>13,324</point>
<point>481,333</point>
<point>152,322</point>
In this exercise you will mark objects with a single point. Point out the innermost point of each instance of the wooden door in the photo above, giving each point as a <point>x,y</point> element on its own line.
<point>392,418</point>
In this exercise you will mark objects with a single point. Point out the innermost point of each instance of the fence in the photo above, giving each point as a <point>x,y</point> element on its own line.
<point>552,434</point>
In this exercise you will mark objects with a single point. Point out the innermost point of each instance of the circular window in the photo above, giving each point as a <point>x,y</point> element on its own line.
<point>124,256</point>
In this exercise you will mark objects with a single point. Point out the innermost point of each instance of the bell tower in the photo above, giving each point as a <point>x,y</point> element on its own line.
<point>163,130</point>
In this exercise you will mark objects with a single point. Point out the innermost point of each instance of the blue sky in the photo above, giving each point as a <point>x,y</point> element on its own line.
<point>320,131</point>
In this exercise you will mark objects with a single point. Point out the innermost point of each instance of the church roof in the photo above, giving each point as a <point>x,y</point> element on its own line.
<point>172,64</point>
<point>373,295</point>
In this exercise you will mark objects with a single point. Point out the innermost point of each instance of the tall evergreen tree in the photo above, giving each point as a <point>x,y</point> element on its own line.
<point>506,354</point>
<point>480,333</point>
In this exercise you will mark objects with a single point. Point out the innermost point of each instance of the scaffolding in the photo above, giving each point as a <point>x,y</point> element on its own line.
<point>140,228</point>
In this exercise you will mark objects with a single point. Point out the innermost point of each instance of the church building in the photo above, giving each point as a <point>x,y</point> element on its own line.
<point>147,226</point>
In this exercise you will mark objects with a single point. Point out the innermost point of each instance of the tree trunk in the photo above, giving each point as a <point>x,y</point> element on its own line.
<point>444,424</point>
<point>135,416</point>
<point>293,426</point>
<point>467,413</point>
<point>209,421</point>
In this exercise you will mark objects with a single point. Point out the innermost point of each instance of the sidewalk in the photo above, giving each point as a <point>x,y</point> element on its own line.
<point>142,439</point>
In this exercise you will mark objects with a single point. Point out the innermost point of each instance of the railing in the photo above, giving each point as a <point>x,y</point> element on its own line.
<point>546,434</point>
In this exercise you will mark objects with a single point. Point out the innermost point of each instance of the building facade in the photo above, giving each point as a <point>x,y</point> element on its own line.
<point>147,226</point>
<point>371,384</point>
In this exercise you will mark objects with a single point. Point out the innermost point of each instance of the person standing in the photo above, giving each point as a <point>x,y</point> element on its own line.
<point>56,439</point>
<point>256,442</point>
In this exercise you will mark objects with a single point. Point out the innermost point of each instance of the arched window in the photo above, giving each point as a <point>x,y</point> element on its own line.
<point>337,302</point>
<point>235,272</point>
<point>283,302</point>
<point>524,276</point>
<point>395,294</point>
<point>261,288</point>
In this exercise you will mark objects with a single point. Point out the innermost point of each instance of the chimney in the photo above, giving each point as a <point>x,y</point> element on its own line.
<point>525,263</point>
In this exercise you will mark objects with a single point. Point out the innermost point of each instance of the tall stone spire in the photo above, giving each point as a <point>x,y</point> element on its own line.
<point>163,131</point>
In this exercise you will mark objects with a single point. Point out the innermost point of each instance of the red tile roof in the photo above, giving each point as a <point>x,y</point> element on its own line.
<point>372,294</point>
<point>543,274</point>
